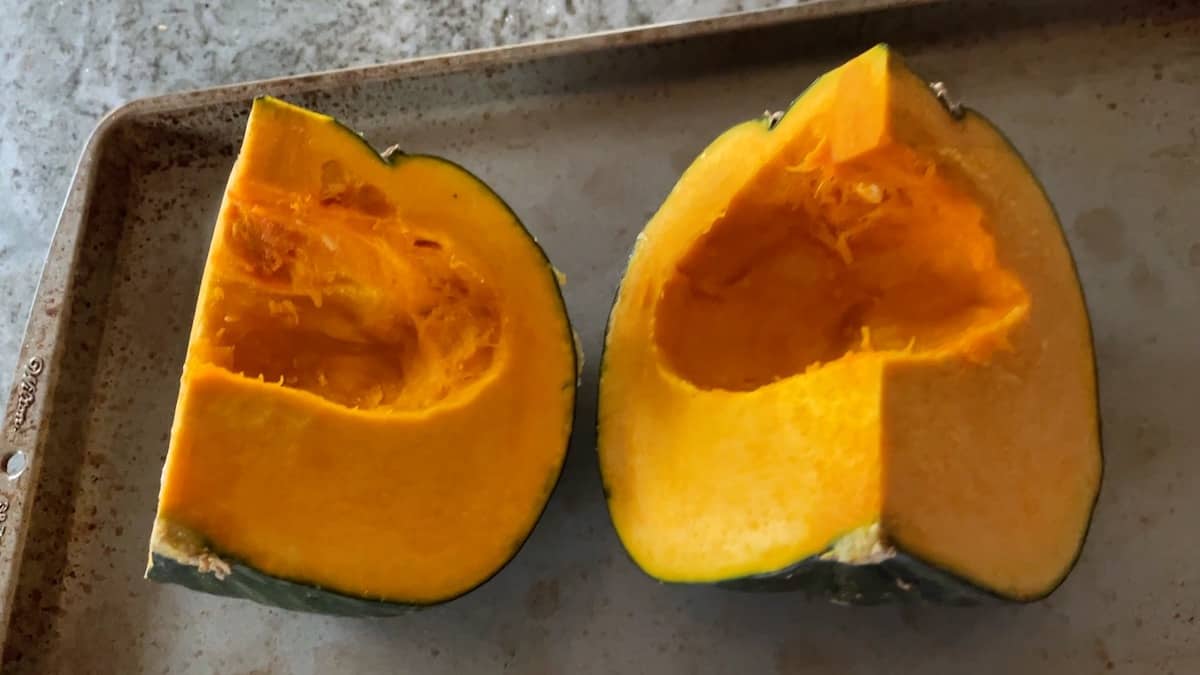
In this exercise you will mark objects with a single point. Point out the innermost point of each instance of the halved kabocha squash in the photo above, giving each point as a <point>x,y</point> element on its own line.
<point>850,354</point>
<point>379,383</point>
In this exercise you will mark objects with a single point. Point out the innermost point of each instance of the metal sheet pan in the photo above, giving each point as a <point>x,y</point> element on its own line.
<point>584,137</point>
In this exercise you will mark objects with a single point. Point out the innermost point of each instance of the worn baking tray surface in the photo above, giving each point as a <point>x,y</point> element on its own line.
<point>584,144</point>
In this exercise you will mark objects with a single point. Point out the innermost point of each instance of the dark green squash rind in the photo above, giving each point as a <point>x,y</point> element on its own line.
<point>247,583</point>
<point>902,578</point>
<point>899,579</point>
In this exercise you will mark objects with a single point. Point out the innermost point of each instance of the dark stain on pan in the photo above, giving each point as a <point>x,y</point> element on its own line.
<point>38,601</point>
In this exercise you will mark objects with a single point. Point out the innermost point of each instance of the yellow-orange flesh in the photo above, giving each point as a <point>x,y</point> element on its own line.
<point>380,377</point>
<point>866,315</point>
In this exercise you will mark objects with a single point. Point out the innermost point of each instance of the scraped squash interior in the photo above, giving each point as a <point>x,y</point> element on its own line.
<point>380,379</point>
<point>862,318</point>
<point>398,322</point>
<point>814,260</point>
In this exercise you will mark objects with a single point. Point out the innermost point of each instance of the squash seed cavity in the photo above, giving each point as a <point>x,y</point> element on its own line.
<point>339,309</point>
<point>815,261</point>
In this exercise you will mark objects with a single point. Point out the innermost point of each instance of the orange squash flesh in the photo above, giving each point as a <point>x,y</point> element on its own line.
<point>380,378</point>
<point>863,321</point>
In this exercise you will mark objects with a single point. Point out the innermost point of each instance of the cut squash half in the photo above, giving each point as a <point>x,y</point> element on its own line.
<point>379,384</point>
<point>851,354</point>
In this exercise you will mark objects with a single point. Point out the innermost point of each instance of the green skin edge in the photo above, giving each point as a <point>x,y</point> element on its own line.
<point>902,578</point>
<point>246,582</point>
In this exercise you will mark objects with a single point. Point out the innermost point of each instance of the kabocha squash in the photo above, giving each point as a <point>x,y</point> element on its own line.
<point>379,384</point>
<point>850,354</point>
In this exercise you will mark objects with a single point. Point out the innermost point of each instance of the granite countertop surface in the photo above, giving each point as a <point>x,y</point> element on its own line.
<point>64,64</point>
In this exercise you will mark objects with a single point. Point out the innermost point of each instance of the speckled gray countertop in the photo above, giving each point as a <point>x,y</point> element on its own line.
<point>64,64</point>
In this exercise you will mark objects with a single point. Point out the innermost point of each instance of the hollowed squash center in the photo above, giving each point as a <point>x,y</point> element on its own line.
<point>315,299</point>
<point>813,261</point>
